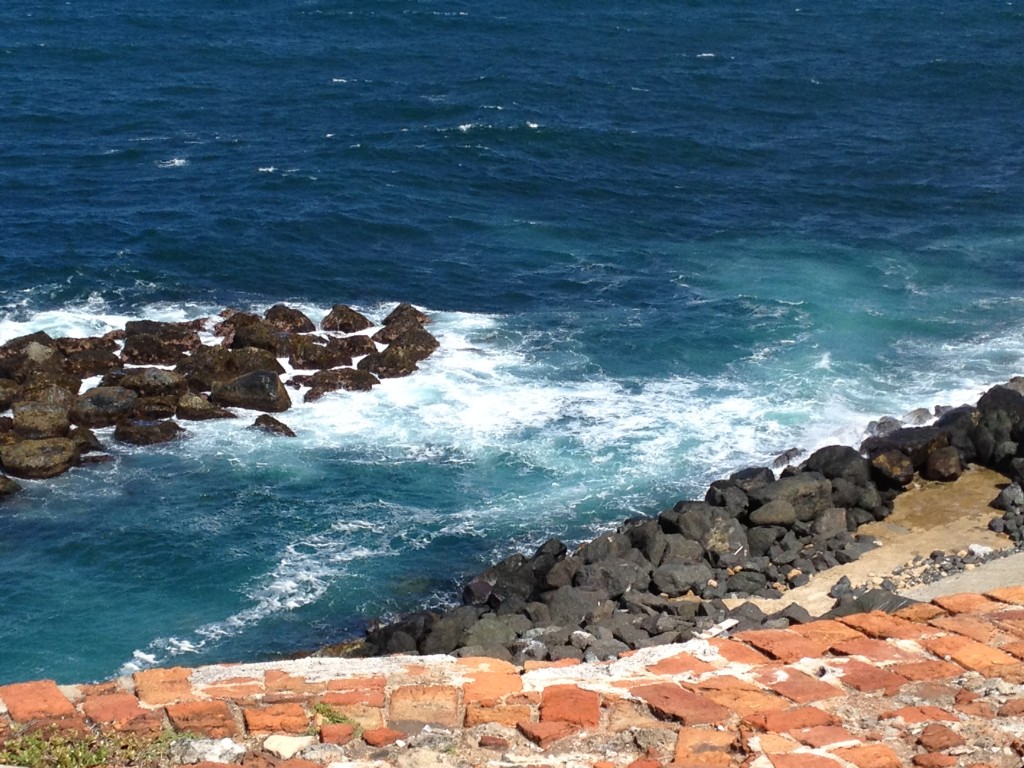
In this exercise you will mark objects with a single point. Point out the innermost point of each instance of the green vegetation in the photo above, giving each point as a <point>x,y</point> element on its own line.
<point>70,749</point>
<point>330,715</point>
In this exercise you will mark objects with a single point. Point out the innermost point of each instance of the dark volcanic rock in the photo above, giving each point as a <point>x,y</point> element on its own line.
<point>915,442</point>
<point>140,432</point>
<point>249,360</point>
<point>404,313</point>
<point>394,362</point>
<point>148,342</point>
<point>205,366</point>
<point>156,407</point>
<point>349,379</point>
<point>1001,398</point>
<point>8,487</point>
<point>272,426</point>
<point>104,406</point>
<point>259,334</point>
<point>943,464</point>
<point>258,391</point>
<point>193,407</point>
<point>37,459</point>
<point>288,319</point>
<point>675,579</point>
<point>309,353</point>
<point>840,461</point>
<point>344,319</point>
<point>893,467</point>
<point>150,381</point>
<point>752,478</point>
<point>35,421</point>
<point>808,492</point>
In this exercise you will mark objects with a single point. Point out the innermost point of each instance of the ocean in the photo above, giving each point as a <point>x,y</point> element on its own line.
<point>659,241</point>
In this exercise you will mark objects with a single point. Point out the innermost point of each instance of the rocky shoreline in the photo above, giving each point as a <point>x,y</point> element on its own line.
<point>153,375</point>
<point>756,534</point>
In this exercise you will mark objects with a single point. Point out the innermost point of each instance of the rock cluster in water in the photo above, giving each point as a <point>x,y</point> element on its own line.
<point>662,579</point>
<point>155,374</point>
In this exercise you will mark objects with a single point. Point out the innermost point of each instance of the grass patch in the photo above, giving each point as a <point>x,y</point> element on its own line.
<point>57,749</point>
<point>329,714</point>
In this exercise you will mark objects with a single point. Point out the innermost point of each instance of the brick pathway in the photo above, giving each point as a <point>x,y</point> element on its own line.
<point>934,685</point>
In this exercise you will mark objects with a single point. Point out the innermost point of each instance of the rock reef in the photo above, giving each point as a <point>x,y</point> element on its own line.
<point>664,579</point>
<point>155,374</point>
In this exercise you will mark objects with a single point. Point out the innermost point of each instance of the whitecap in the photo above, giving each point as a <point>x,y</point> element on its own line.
<point>174,162</point>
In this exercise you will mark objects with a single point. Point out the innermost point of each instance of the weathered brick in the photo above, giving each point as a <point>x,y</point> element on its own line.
<point>163,686</point>
<point>703,746</point>
<point>209,718</point>
<point>112,708</point>
<point>570,704</point>
<point>427,704</point>
<point>802,760</point>
<point>921,714</point>
<point>490,687</point>
<point>870,756</point>
<point>885,626</point>
<point>234,689</point>
<point>822,735</point>
<point>938,738</point>
<point>337,733</point>
<point>277,681</point>
<point>934,760</point>
<point>36,700</point>
<point>919,612</point>
<point>1013,595</point>
<point>529,665</point>
<point>793,719</point>
<point>381,737</point>
<point>503,714</point>
<point>969,654</point>
<point>967,603</point>
<point>276,718</point>
<point>370,697</point>
<point>738,696</point>
<point>736,652</point>
<point>969,626</point>
<point>932,669</point>
<point>783,644</point>
<point>670,700</point>
<point>1012,708</point>
<point>827,632</point>
<point>866,677</point>
<point>681,664</point>
<point>546,734</point>
<point>803,689</point>
<point>375,683</point>
<point>878,651</point>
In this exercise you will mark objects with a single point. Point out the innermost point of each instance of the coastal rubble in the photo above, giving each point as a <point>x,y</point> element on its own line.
<point>151,373</point>
<point>756,534</point>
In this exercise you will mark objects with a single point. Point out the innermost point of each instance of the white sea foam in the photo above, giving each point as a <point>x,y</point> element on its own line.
<point>174,162</point>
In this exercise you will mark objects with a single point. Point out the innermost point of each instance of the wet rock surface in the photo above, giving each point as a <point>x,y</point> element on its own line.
<point>151,373</point>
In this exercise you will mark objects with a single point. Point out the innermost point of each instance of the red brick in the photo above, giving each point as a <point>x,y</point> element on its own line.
<point>700,746</point>
<point>919,612</point>
<point>977,709</point>
<point>234,688</point>
<point>209,718</point>
<point>933,669</point>
<point>35,701</point>
<point>783,644</point>
<point>967,603</point>
<point>1012,708</point>
<point>866,677</point>
<point>793,719</point>
<point>1015,649</point>
<point>877,650</point>
<point>870,756</point>
<point>381,737</point>
<point>355,690</point>
<point>546,734</point>
<point>163,686</point>
<point>1012,595</point>
<point>337,733</point>
<point>969,626</point>
<point>496,742</point>
<point>277,681</point>
<point>503,714</point>
<point>822,735</point>
<point>938,738</point>
<point>490,687</point>
<point>427,704</point>
<point>529,665</point>
<point>276,718</point>
<point>885,626</point>
<point>670,700</point>
<point>148,724</point>
<point>802,760</point>
<point>682,664</point>
<point>112,708</point>
<point>739,696</point>
<point>828,632</point>
<point>570,704</point>
<point>934,760</point>
<point>969,654</point>
<point>644,762</point>
<point>803,688</point>
<point>736,652</point>
<point>922,714</point>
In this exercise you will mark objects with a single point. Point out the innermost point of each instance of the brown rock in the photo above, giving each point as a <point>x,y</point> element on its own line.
<point>38,459</point>
<point>943,464</point>
<point>139,432</point>
<point>148,342</point>
<point>258,391</point>
<point>193,407</point>
<point>288,319</point>
<point>406,312</point>
<point>344,319</point>
<point>36,421</point>
<point>348,379</point>
<point>272,426</point>
<point>104,406</point>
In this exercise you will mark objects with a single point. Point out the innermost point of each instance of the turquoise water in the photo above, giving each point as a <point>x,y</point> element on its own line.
<point>659,242</point>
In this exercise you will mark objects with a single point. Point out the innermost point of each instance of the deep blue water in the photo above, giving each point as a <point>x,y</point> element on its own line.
<point>660,241</point>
